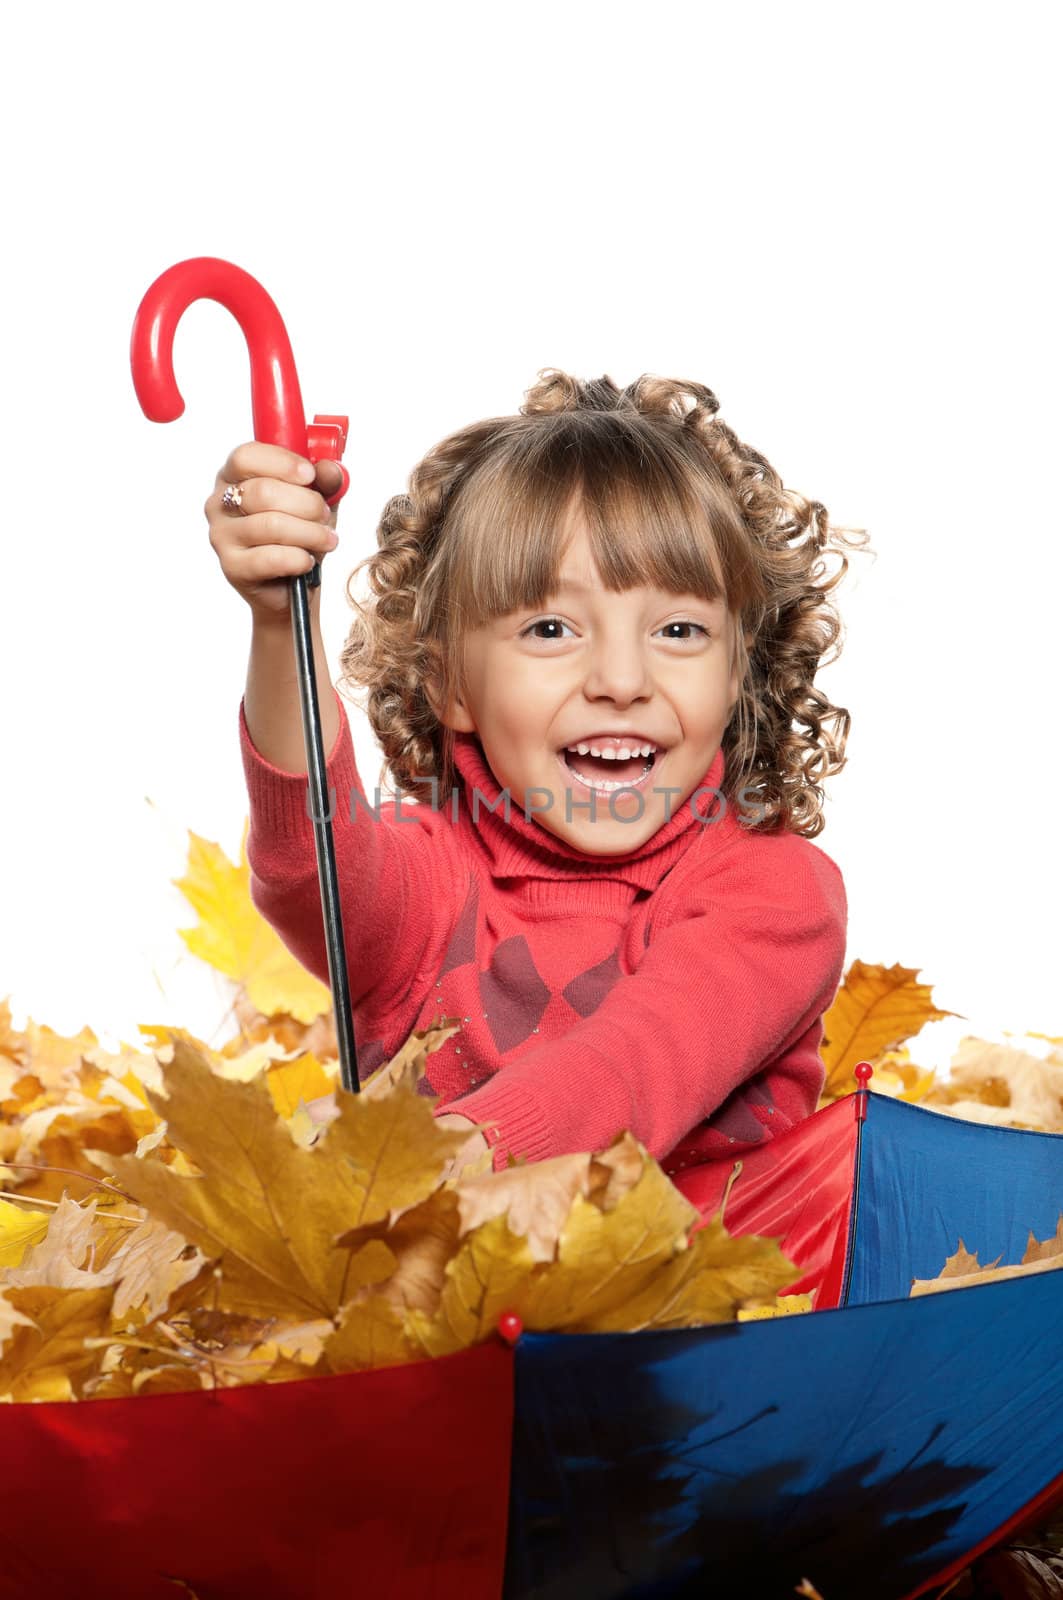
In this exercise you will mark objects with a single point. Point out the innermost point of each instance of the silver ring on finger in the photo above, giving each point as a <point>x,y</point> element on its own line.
<point>233,498</point>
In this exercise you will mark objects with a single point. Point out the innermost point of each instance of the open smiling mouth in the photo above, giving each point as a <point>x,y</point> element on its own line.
<point>605,774</point>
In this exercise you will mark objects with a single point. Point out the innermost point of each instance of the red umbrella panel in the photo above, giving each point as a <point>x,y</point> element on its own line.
<point>387,1484</point>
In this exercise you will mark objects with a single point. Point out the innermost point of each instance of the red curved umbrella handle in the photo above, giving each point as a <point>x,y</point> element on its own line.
<point>278,414</point>
<point>276,402</point>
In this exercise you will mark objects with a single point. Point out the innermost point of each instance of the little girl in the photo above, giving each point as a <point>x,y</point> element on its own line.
<point>589,664</point>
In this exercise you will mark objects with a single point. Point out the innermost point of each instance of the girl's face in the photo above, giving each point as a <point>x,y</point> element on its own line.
<point>646,663</point>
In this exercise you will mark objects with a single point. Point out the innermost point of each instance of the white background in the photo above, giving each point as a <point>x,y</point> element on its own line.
<point>842,219</point>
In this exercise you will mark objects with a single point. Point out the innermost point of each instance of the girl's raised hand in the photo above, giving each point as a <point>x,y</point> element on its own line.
<point>282,527</point>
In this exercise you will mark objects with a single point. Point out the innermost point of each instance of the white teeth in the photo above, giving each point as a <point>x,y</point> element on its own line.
<point>623,754</point>
<point>603,785</point>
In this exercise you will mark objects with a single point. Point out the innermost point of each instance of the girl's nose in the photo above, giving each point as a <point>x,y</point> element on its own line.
<point>619,670</point>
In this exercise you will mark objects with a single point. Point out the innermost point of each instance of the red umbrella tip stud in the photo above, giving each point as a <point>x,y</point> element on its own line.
<point>510,1326</point>
<point>863,1072</point>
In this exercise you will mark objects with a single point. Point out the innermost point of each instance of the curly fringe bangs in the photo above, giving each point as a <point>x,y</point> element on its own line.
<point>671,498</point>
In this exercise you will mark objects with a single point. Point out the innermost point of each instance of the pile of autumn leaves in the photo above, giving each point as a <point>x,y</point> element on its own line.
<point>173,1218</point>
<point>233,1244</point>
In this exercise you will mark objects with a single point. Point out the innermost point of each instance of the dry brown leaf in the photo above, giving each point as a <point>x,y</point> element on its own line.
<point>84,1249</point>
<point>1046,1249</point>
<point>407,1067</point>
<point>488,1275</point>
<point>421,1241</point>
<point>52,1057</point>
<point>711,1280</point>
<point>632,1267</point>
<point>963,1269</point>
<point>149,1265</point>
<point>134,1070</point>
<point>57,1261</point>
<point>10,1319</point>
<point>1001,1084</point>
<point>537,1198</point>
<point>318,1036</point>
<point>12,1042</point>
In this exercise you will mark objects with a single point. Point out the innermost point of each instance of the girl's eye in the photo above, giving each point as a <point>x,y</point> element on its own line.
<point>544,622</point>
<point>700,627</point>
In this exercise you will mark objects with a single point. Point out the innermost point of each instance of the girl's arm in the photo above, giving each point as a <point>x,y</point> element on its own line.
<point>401,881</point>
<point>735,983</point>
<point>272,705</point>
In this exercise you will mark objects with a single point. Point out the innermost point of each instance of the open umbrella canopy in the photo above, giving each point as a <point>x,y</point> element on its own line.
<point>871,1447</point>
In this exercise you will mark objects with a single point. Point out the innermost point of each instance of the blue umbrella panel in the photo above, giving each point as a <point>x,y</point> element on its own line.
<point>869,1448</point>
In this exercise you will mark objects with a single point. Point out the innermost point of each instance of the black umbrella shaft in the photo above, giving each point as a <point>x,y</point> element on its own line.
<point>321,814</point>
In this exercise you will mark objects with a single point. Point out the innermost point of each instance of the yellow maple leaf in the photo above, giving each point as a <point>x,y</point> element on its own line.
<point>270,1210</point>
<point>12,1042</point>
<point>786,1305</point>
<point>47,1357</point>
<point>292,1083</point>
<point>487,1276</point>
<point>371,1333</point>
<point>20,1228</point>
<point>235,938</point>
<point>875,1009</point>
<point>898,1075</point>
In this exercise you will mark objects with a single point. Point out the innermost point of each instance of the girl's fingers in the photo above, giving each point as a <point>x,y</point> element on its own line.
<point>281,527</point>
<point>257,460</point>
<point>264,528</point>
<point>269,495</point>
<point>258,565</point>
<point>271,478</point>
<point>328,477</point>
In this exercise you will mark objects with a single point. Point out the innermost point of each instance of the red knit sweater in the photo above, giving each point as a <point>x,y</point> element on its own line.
<point>676,990</point>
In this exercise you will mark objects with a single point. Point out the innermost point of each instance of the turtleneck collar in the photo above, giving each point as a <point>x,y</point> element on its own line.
<point>523,848</point>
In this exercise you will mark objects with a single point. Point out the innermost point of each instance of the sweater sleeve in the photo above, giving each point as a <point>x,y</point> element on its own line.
<point>397,865</point>
<point>741,973</point>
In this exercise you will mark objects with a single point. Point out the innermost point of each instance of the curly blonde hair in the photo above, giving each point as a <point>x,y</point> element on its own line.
<point>672,498</point>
